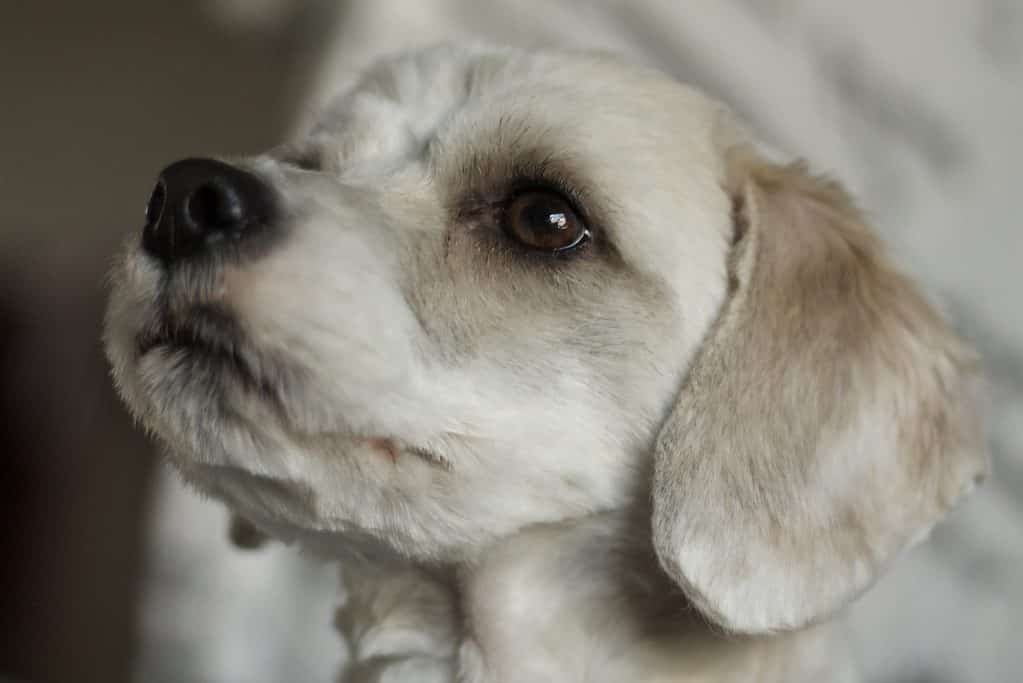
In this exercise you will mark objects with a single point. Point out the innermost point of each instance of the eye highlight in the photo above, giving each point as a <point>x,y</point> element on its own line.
<point>544,220</point>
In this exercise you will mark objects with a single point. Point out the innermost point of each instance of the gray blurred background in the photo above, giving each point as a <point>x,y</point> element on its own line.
<point>110,571</point>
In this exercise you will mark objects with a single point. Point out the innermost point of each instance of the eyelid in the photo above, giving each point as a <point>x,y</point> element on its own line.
<point>543,179</point>
<point>584,237</point>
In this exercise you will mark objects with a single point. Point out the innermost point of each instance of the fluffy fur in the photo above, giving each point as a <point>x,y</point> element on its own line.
<point>662,458</point>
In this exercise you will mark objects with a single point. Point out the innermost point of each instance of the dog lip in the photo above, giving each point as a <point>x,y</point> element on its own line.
<point>180,337</point>
<point>208,332</point>
<point>201,327</point>
<point>391,448</point>
<point>429,456</point>
<point>221,343</point>
<point>167,338</point>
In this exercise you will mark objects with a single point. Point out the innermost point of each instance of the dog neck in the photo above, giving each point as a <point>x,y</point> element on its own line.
<point>583,600</point>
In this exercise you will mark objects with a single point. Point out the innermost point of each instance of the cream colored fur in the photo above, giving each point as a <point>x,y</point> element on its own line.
<point>669,457</point>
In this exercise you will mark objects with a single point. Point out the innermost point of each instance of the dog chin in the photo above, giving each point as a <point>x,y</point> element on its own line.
<point>285,510</point>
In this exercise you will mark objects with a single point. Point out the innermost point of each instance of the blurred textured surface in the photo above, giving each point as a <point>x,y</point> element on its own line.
<point>915,105</point>
<point>97,96</point>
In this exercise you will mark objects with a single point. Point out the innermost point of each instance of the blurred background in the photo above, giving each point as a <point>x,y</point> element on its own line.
<point>110,571</point>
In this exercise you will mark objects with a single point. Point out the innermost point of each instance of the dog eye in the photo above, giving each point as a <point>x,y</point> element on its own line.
<point>541,219</point>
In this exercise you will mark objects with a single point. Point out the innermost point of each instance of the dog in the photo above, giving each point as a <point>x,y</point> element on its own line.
<point>579,381</point>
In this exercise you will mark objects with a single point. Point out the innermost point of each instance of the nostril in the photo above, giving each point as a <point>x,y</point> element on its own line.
<point>154,208</point>
<point>201,202</point>
<point>213,208</point>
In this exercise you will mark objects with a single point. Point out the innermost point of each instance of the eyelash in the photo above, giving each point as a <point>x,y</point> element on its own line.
<point>543,180</point>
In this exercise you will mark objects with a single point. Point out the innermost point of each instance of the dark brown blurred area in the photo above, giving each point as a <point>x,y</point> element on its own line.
<point>97,97</point>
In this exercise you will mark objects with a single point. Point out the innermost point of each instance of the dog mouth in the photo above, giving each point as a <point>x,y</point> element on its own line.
<point>211,335</point>
<point>204,350</point>
<point>208,342</point>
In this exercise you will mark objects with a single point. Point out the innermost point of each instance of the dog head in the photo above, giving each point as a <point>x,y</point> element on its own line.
<point>490,289</point>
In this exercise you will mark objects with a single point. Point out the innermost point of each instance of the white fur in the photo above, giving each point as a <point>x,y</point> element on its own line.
<point>508,539</point>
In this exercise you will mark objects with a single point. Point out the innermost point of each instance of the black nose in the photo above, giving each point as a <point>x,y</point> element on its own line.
<point>200,203</point>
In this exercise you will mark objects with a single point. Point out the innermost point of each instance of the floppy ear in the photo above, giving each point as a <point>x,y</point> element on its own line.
<point>829,419</point>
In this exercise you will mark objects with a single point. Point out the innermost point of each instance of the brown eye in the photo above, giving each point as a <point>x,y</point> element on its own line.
<point>545,220</point>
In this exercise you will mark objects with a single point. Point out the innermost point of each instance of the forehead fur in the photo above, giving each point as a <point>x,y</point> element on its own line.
<point>464,119</point>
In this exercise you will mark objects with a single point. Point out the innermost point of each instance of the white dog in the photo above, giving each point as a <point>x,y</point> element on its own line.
<point>584,387</point>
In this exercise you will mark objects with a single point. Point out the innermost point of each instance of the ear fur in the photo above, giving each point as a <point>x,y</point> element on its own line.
<point>829,420</point>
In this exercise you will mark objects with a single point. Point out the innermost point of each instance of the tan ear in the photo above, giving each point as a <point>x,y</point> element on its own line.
<point>829,420</point>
